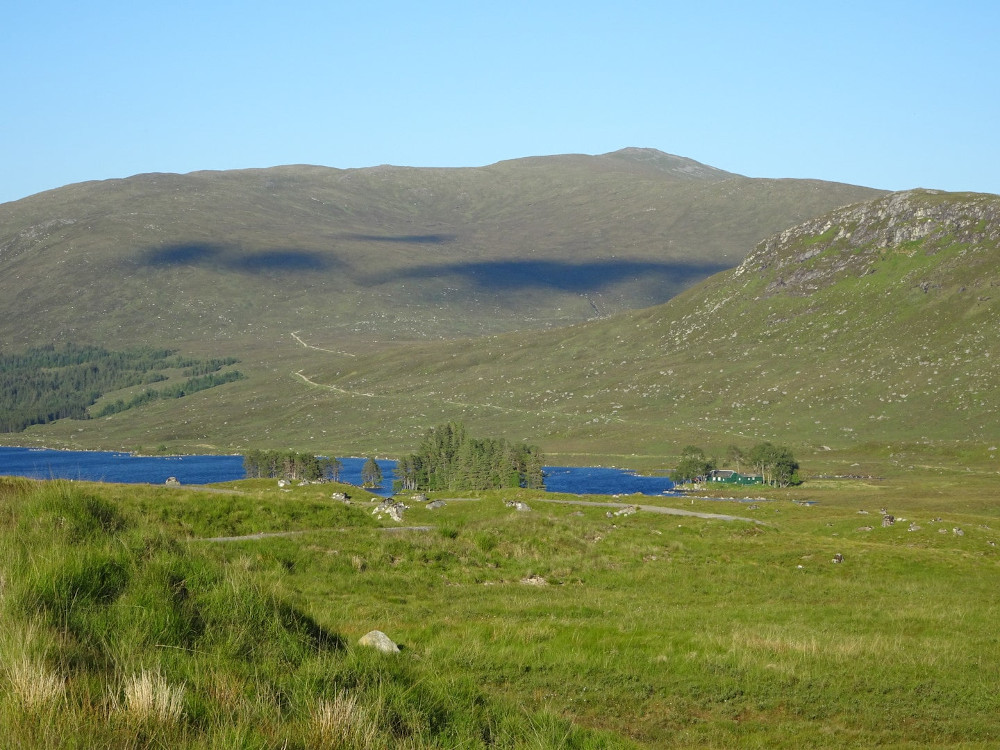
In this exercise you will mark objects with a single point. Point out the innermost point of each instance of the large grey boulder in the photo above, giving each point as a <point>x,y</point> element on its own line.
<point>380,641</point>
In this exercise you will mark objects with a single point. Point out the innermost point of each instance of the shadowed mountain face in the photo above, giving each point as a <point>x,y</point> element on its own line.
<point>578,278</point>
<point>529,243</point>
<point>221,258</point>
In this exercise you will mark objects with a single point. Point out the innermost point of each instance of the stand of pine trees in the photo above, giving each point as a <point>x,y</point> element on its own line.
<point>448,459</point>
<point>290,465</point>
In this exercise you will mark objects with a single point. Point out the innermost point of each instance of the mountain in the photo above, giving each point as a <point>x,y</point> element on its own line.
<point>876,323</point>
<point>354,257</point>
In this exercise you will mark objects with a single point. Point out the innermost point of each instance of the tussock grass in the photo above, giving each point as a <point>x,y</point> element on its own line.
<point>148,697</point>
<point>34,684</point>
<point>116,633</point>
<point>341,722</point>
<point>652,631</point>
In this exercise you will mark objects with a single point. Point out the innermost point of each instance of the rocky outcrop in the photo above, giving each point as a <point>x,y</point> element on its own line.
<point>853,240</point>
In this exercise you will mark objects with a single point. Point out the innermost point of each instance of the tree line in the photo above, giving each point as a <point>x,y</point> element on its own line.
<point>43,384</point>
<point>774,463</point>
<point>260,464</point>
<point>179,390</point>
<point>449,459</point>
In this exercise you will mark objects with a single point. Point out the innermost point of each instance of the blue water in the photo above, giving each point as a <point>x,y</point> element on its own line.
<point>102,466</point>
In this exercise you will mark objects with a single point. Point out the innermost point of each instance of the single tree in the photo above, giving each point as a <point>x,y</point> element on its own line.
<point>371,474</point>
<point>693,464</point>
<point>734,455</point>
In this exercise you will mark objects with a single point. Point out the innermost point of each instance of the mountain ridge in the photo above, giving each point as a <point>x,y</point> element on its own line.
<point>531,243</point>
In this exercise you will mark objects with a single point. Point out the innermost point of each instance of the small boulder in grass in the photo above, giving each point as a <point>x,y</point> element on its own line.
<point>378,640</point>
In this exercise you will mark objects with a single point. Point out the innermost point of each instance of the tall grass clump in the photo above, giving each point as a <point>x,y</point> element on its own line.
<point>341,722</point>
<point>148,698</point>
<point>34,684</point>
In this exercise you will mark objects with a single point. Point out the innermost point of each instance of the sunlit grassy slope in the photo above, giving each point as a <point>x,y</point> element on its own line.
<point>355,257</point>
<point>873,324</point>
<point>125,625</point>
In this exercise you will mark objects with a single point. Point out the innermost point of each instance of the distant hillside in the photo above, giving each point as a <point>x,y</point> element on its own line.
<point>383,254</point>
<point>875,323</point>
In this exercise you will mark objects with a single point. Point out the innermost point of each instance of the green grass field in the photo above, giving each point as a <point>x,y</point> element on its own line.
<point>124,625</point>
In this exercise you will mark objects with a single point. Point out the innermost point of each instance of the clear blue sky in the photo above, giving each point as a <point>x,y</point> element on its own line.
<point>886,94</point>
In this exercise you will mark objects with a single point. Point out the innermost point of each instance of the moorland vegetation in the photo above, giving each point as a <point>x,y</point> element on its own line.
<point>865,338</point>
<point>128,621</point>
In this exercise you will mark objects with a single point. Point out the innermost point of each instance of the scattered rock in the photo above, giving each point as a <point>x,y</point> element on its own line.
<point>888,521</point>
<point>517,505</point>
<point>434,504</point>
<point>342,496</point>
<point>380,641</point>
<point>173,482</point>
<point>957,532</point>
<point>622,511</point>
<point>942,531</point>
<point>838,558</point>
<point>390,508</point>
<point>419,498</point>
<point>862,512</point>
<point>282,483</point>
<point>864,528</point>
<point>534,580</point>
<point>913,527</point>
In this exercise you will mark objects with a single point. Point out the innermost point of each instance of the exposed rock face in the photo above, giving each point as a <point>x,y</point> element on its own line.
<point>390,508</point>
<point>814,254</point>
<point>380,641</point>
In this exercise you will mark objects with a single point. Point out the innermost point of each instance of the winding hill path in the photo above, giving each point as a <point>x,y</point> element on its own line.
<point>295,335</point>
<point>655,509</point>
<point>335,388</point>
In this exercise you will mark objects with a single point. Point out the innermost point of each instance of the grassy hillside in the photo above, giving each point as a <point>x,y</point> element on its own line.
<point>126,623</point>
<point>870,325</point>
<point>232,260</point>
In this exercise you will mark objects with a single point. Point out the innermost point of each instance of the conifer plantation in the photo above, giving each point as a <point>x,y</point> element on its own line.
<point>45,384</point>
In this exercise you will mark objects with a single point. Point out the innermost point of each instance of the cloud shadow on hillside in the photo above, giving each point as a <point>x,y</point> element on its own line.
<point>226,258</point>
<point>403,239</point>
<point>566,276</point>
